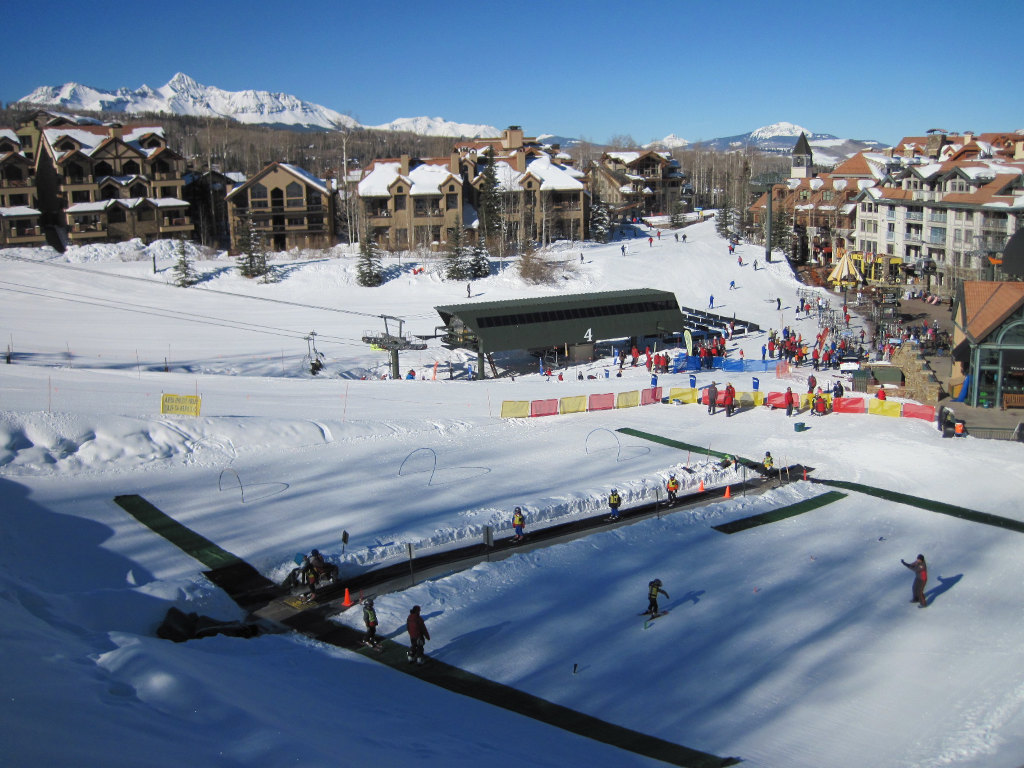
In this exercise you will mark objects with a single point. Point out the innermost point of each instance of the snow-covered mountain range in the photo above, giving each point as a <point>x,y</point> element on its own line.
<point>184,96</point>
<point>778,138</point>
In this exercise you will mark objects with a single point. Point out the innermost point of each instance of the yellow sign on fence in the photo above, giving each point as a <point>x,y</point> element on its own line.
<point>515,409</point>
<point>180,405</point>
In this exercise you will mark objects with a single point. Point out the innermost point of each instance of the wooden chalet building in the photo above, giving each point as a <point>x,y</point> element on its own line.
<point>19,198</point>
<point>640,183</point>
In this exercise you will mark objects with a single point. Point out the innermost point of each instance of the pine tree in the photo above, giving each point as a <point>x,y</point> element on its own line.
<point>184,273</point>
<point>490,202</point>
<point>479,260</point>
<point>678,213</point>
<point>724,217</point>
<point>782,228</point>
<point>370,270</point>
<point>456,265</point>
<point>252,257</point>
<point>600,222</point>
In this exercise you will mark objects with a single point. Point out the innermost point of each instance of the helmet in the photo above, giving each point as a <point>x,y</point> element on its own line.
<point>614,491</point>
<point>368,601</point>
<point>518,509</point>
<point>315,553</point>
<point>671,475</point>
<point>656,582</point>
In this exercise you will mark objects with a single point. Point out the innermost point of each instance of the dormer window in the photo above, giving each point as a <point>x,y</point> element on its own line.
<point>399,190</point>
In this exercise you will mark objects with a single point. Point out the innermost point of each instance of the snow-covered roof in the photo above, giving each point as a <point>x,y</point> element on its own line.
<point>307,176</point>
<point>377,182</point>
<point>93,207</point>
<point>91,139</point>
<point>7,133</point>
<point>18,210</point>
<point>552,175</point>
<point>427,179</point>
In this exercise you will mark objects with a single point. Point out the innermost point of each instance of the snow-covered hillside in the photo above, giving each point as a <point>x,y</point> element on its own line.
<point>791,645</point>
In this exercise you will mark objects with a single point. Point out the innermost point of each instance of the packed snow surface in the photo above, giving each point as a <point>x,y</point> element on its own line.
<point>790,645</point>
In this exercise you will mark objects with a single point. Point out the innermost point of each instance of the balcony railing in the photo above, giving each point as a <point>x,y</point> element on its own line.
<point>18,183</point>
<point>914,216</point>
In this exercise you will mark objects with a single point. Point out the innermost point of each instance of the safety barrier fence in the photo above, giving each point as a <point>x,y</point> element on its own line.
<point>515,409</point>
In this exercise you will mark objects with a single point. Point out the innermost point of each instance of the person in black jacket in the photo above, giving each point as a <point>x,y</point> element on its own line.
<point>920,569</point>
<point>653,588</point>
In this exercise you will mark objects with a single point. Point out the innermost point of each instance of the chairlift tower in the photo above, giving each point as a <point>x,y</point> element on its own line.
<point>392,342</point>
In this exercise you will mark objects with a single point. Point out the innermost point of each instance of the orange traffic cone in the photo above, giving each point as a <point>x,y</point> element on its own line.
<point>348,599</point>
<point>728,492</point>
<point>700,488</point>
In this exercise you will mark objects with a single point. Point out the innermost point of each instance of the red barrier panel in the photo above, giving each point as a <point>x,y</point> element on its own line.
<point>544,407</point>
<point>776,399</point>
<point>914,411</point>
<point>601,403</point>
<point>848,405</point>
<point>720,400</point>
<point>650,396</point>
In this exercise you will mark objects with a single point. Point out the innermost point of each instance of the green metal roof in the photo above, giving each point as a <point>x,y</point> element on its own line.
<point>550,321</point>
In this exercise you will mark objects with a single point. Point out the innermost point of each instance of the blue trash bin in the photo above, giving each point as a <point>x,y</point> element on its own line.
<point>693,381</point>
<point>757,383</point>
<point>654,381</point>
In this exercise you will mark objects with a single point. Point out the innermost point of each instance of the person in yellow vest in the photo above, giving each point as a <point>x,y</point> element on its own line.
<point>614,501</point>
<point>653,588</point>
<point>768,462</point>
<point>519,523</point>
<point>672,486</point>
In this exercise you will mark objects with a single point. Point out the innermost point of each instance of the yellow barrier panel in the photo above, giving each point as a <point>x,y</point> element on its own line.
<point>628,399</point>
<point>884,407</point>
<point>750,398</point>
<point>515,409</point>
<point>180,405</point>
<point>806,401</point>
<point>682,394</point>
<point>572,404</point>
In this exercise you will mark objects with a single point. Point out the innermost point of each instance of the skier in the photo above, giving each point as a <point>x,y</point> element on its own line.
<point>920,569</point>
<point>518,523</point>
<point>711,302</point>
<point>732,285</point>
<point>614,500</point>
<point>653,588</point>
<point>418,635</point>
<point>370,620</point>
<point>672,487</point>
<point>768,462</point>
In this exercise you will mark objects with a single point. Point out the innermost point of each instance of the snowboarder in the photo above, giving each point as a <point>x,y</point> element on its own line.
<point>518,523</point>
<point>920,569</point>
<point>672,487</point>
<point>653,588</point>
<point>712,398</point>
<point>418,635</point>
<point>614,501</point>
<point>370,621</point>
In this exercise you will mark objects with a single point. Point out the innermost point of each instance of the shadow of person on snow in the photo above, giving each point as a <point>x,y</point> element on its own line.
<point>944,586</point>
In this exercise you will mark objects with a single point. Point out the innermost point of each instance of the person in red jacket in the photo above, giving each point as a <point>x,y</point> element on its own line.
<point>789,400</point>
<point>920,569</point>
<point>418,635</point>
<point>880,394</point>
<point>729,399</point>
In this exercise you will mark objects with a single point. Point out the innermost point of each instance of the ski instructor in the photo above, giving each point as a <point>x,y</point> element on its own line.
<point>653,589</point>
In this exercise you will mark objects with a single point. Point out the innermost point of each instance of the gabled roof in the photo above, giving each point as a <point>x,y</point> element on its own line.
<point>987,304</point>
<point>802,147</point>
<point>301,174</point>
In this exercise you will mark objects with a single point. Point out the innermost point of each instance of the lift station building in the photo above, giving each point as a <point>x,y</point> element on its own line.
<point>573,323</point>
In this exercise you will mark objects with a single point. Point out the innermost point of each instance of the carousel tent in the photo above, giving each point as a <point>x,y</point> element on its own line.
<point>845,271</point>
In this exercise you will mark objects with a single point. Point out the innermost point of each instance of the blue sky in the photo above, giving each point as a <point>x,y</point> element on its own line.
<point>866,70</point>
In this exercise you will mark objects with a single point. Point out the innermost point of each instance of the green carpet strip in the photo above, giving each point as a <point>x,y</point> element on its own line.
<point>932,506</point>
<point>791,510</point>
<point>188,541</point>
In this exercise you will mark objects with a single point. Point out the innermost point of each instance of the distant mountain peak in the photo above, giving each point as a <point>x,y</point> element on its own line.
<point>183,95</point>
<point>779,129</point>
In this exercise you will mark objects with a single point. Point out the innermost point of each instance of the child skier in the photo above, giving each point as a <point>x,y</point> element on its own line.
<point>370,620</point>
<point>672,487</point>
<point>518,523</point>
<point>653,588</point>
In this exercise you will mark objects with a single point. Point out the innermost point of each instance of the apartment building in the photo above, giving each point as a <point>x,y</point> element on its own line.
<point>947,208</point>
<point>640,183</point>
<point>19,198</point>
<point>105,182</point>
<point>287,207</point>
<point>417,202</point>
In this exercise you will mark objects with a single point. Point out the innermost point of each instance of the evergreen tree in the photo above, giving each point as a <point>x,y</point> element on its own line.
<point>600,222</point>
<point>724,217</point>
<point>782,228</point>
<point>184,273</point>
<point>370,270</point>
<point>678,213</point>
<point>252,256</point>
<point>490,202</point>
<point>456,266</point>
<point>479,260</point>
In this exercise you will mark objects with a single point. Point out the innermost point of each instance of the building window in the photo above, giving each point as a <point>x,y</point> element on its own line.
<point>258,195</point>
<point>293,195</point>
<point>400,202</point>
<point>452,202</point>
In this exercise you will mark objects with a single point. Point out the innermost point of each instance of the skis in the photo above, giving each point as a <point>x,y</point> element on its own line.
<point>378,647</point>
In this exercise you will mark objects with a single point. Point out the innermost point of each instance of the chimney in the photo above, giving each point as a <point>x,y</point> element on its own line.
<point>115,131</point>
<point>520,157</point>
<point>455,164</point>
<point>1018,149</point>
<point>404,170</point>
<point>512,137</point>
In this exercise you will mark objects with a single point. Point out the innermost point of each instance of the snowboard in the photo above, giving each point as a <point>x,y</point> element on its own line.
<point>658,615</point>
